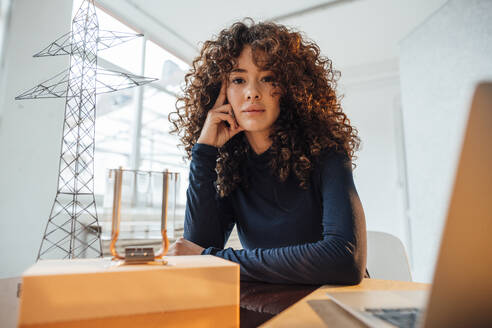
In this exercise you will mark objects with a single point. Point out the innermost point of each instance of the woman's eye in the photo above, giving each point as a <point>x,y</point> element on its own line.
<point>269,79</point>
<point>237,80</point>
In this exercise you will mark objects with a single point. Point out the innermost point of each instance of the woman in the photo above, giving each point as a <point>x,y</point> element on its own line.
<point>271,153</point>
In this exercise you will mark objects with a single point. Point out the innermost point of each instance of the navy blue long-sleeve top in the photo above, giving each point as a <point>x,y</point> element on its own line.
<point>289,234</point>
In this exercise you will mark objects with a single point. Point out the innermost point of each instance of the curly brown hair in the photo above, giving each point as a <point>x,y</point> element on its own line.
<point>310,119</point>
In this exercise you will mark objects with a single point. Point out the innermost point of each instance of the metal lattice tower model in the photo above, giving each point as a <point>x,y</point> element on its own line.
<point>73,230</point>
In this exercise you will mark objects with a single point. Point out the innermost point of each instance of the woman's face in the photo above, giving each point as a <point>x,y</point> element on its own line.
<point>253,94</point>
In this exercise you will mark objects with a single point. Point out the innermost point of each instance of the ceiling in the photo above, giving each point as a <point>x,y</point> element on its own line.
<point>353,33</point>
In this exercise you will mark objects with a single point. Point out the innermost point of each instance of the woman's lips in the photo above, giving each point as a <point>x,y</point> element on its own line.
<point>253,112</point>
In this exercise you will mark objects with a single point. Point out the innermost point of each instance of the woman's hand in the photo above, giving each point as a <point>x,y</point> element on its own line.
<point>214,131</point>
<point>184,247</point>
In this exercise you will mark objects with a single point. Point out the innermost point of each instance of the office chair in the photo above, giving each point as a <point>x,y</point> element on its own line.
<point>386,257</point>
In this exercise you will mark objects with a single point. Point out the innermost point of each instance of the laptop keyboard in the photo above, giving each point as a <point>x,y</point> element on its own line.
<point>401,317</point>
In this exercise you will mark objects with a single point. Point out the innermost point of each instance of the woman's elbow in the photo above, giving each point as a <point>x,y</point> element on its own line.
<point>348,271</point>
<point>353,274</point>
<point>353,268</point>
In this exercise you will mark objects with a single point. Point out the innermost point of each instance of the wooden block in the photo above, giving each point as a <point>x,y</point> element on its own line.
<point>64,292</point>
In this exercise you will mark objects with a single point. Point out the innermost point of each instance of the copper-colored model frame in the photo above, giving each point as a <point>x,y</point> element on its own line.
<point>116,217</point>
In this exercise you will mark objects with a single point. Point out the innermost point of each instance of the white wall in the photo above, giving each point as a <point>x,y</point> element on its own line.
<point>30,131</point>
<point>440,63</point>
<point>371,101</point>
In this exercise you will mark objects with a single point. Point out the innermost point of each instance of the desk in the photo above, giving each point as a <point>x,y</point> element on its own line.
<point>302,315</point>
<point>260,303</point>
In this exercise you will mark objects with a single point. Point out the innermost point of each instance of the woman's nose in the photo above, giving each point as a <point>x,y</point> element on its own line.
<point>253,91</point>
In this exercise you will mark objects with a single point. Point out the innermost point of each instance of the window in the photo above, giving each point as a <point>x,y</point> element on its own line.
<point>120,139</point>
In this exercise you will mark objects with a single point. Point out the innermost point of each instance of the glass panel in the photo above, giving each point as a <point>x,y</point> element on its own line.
<point>114,116</point>
<point>167,68</point>
<point>114,111</point>
<point>127,55</point>
<point>159,149</point>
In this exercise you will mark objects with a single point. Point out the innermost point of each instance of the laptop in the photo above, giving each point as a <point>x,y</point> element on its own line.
<point>461,292</point>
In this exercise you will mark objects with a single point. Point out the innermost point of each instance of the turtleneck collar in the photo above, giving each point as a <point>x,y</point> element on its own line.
<point>259,159</point>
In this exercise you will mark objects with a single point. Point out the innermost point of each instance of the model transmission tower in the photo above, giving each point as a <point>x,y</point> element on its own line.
<point>73,230</point>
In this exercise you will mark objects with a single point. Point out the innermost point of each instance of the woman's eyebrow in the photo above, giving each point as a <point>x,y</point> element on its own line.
<point>242,70</point>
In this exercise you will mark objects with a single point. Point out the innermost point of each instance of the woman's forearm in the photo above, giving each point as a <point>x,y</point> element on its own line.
<point>207,222</point>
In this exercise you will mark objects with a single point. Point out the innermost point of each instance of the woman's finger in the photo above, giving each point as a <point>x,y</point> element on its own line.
<point>228,118</point>
<point>226,109</point>
<point>222,96</point>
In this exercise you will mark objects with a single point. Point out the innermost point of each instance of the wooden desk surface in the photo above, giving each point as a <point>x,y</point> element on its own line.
<point>302,315</point>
